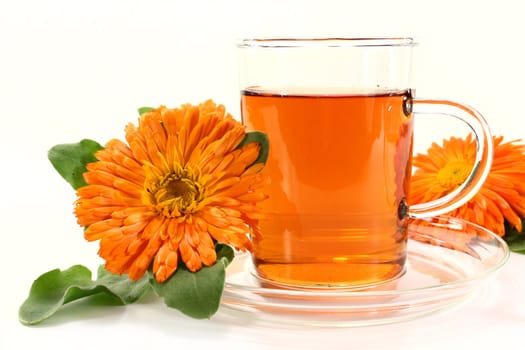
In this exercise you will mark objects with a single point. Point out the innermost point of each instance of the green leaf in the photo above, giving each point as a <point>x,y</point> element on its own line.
<point>261,139</point>
<point>122,287</point>
<point>515,240</point>
<point>224,251</point>
<point>143,110</point>
<point>56,288</point>
<point>196,294</point>
<point>70,160</point>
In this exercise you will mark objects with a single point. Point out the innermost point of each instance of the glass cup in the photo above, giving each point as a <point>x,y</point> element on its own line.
<point>339,115</point>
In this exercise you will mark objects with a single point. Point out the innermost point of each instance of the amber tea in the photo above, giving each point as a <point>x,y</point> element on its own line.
<point>339,166</point>
<point>339,114</point>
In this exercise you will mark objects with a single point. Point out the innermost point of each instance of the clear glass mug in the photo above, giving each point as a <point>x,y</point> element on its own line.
<point>339,115</point>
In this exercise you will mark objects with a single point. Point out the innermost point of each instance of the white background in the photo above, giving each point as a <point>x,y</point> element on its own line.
<point>80,69</point>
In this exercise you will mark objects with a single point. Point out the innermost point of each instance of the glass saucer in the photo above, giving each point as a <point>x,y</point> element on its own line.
<point>447,260</point>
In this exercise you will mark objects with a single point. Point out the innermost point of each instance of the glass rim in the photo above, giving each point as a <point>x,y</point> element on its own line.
<point>326,42</point>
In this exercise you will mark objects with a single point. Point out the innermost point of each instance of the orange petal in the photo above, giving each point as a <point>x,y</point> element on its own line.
<point>189,256</point>
<point>165,263</point>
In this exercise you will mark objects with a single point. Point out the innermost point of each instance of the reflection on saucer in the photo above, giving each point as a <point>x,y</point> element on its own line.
<point>447,260</point>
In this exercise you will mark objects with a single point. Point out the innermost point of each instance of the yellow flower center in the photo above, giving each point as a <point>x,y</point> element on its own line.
<point>176,193</point>
<point>453,173</point>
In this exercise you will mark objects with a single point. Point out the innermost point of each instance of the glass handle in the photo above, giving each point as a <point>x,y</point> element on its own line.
<point>482,163</point>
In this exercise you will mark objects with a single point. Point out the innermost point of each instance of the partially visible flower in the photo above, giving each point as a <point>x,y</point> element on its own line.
<point>501,198</point>
<point>180,184</point>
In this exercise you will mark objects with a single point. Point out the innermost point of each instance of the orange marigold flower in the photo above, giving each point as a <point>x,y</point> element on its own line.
<point>180,184</point>
<point>501,198</point>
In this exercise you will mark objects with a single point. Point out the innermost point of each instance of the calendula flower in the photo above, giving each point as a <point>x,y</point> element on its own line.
<point>501,198</point>
<point>180,183</point>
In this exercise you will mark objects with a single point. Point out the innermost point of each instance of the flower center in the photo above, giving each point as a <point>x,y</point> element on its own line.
<point>176,193</point>
<point>453,173</point>
<point>182,190</point>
